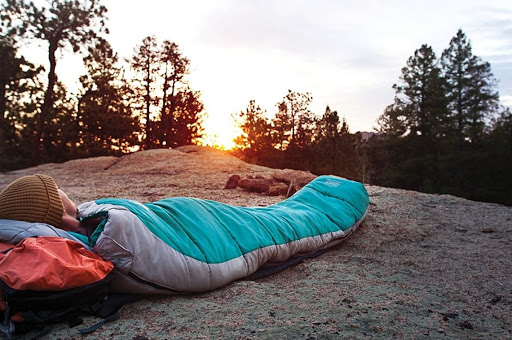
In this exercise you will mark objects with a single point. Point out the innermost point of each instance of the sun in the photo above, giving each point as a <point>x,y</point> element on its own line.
<point>220,131</point>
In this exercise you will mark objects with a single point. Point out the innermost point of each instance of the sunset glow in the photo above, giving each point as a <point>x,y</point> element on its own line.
<point>242,51</point>
<point>220,131</point>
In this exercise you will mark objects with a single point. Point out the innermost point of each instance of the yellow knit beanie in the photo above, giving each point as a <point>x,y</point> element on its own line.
<point>32,199</point>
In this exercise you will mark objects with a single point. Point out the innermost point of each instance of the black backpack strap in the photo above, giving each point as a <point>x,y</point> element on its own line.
<point>7,327</point>
<point>109,309</point>
<point>113,303</point>
<point>44,331</point>
<point>97,325</point>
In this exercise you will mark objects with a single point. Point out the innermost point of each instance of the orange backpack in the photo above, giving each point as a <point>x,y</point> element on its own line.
<point>46,279</point>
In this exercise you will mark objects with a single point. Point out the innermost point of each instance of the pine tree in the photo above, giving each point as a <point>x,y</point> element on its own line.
<point>145,62</point>
<point>328,135</point>
<point>423,92</point>
<point>107,125</point>
<point>161,77</point>
<point>60,133</point>
<point>393,122</point>
<point>282,126</point>
<point>174,68</point>
<point>17,77</point>
<point>73,23</point>
<point>416,123</point>
<point>472,95</point>
<point>293,114</point>
<point>256,130</point>
<point>188,118</point>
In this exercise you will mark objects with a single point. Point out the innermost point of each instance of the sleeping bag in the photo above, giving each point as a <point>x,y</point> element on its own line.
<point>180,244</point>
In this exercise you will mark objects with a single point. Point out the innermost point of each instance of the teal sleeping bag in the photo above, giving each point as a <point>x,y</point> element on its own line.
<point>191,245</point>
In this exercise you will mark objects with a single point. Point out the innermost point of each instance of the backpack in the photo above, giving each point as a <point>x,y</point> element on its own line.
<point>50,279</point>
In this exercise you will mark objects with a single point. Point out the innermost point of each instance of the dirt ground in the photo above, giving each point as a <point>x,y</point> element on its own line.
<point>420,267</point>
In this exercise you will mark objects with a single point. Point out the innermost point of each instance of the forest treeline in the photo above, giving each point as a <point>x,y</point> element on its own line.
<point>142,102</point>
<point>444,132</point>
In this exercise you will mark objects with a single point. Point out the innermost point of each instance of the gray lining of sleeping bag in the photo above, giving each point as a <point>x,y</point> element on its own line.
<point>13,231</point>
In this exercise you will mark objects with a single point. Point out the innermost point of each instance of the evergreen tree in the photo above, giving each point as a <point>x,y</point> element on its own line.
<point>393,122</point>
<point>292,129</point>
<point>328,136</point>
<point>256,132</point>
<point>60,133</point>
<point>188,114</point>
<point>282,126</point>
<point>423,92</point>
<point>17,78</point>
<point>293,114</point>
<point>472,95</point>
<point>145,62</point>
<point>107,125</point>
<point>416,123</point>
<point>73,23</point>
<point>175,67</point>
<point>161,73</point>
<point>305,130</point>
<point>363,167</point>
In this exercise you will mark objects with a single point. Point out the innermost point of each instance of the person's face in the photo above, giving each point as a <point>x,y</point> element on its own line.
<point>69,206</point>
<point>69,221</point>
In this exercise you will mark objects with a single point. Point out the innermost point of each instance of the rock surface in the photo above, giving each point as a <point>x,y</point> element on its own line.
<point>421,266</point>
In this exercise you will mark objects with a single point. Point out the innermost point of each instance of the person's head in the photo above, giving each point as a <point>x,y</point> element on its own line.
<point>36,198</point>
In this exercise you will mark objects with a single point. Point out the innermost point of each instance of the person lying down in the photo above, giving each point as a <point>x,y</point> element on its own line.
<point>183,244</point>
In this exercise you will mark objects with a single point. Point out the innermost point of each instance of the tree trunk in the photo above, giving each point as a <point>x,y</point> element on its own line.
<point>148,105</point>
<point>334,154</point>
<point>47,103</point>
<point>3,121</point>
<point>165,116</point>
<point>171,114</point>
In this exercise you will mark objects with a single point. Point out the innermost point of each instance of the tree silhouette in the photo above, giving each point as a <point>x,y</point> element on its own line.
<point>175,67</point>
<point>188,118</point>
<point>422,91</point>
<point>107,125</point>
<point>293,114</point>
<point>16,76</point>
<point>256,131</point>
<point>160,76</point>
<point>73,23</point>
<point>329,132</point>
<point>145,62</point>
<point>471,92</point>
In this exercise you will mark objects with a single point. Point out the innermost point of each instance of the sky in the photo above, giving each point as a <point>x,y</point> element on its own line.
<point>346,54</point>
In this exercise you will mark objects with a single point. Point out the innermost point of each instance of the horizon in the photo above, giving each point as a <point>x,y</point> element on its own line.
<point>242,52</point>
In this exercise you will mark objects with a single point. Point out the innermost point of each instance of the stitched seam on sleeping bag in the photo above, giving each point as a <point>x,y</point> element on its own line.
<point>177,223</point>
<point>184,230</point>
<point>290,223</point>
<point>264,227</point>
<point>226,229</point>
<point>198,245</point>
<point>312,187</point>
<point>256,221</point>
<point>254,216</point>
<point>155,224</point>
<point>294,232</point>
<point>340,199</point>
<point>311,207</point>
